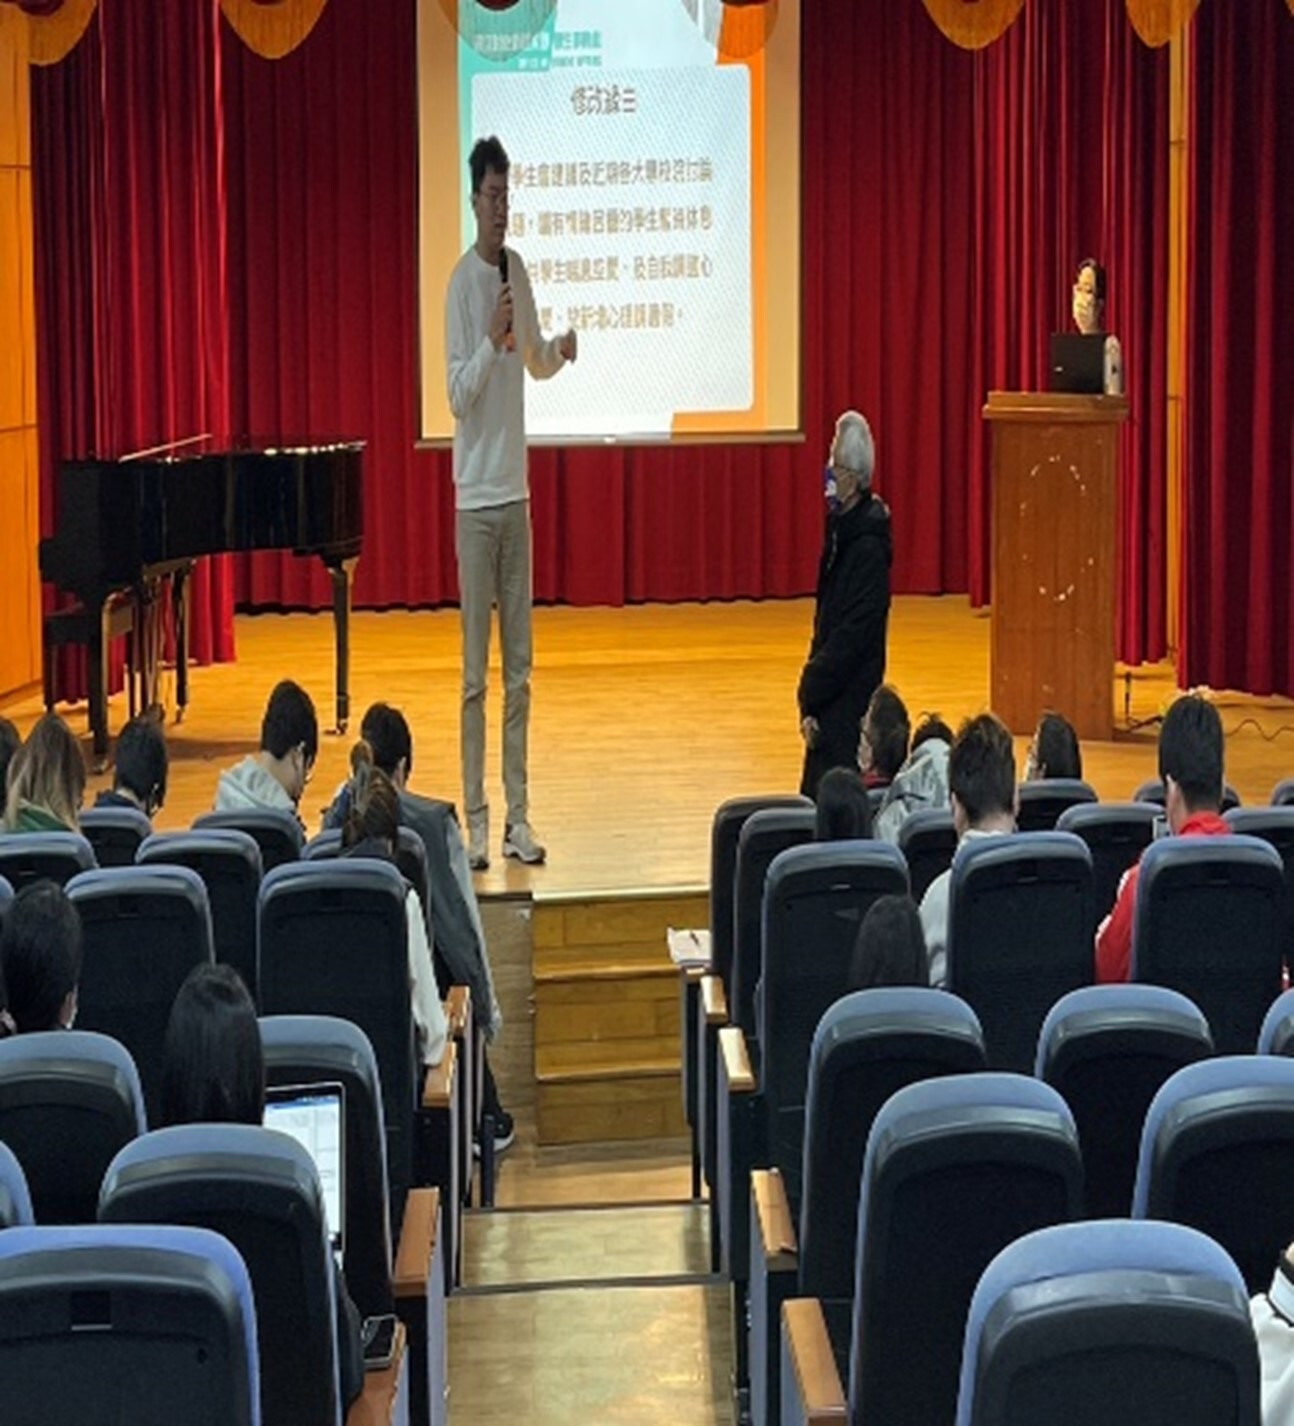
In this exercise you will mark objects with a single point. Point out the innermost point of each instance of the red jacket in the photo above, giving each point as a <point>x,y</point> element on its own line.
<point>1114,938</point>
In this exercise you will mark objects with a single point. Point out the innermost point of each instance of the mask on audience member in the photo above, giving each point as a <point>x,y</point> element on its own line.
<point>829,491</point>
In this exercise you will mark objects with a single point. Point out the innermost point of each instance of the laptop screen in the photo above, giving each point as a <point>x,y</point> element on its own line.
<point>314,1115</point>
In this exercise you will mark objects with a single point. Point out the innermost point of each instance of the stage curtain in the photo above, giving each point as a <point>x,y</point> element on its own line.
<point>130,266</point>
<point>1071,162</point>
<point>1238,514</point>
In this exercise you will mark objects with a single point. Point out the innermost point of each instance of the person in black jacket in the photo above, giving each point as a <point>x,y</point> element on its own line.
<point>847,654</point>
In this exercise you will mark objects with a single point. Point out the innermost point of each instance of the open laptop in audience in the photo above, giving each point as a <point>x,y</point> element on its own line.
<point>315,1116</point>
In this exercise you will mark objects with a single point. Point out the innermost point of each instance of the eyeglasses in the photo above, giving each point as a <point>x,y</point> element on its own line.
<point>496,198</point>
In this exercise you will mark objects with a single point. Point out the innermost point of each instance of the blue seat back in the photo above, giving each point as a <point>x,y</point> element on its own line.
<point>6,899</point>
<point>1019,934</point>
<point>410,857</point>
<point>260,1190</point>
<point>814,901</point>
<point>955,1169</point>
<point>1283,792</point>
<point>43,856</point>
<point>308,1049</point>
<point>151,1325</point>
<point>115,833</point>
<point>229,863</point>
<point>1042,801</point>
<point>15,1198</point>
<point>278,834</point>
<point>1274,825</point>
<point>1108,1049</point>
<point>1124,1323</point>
<point>1207,922</point>
<point>928,839</point>
<point>1116,834</point>
<point>1217,1153</point>
<point>762,837</point>
<point>334,941</point>
<point>69,1100</point>
<point>144,928</point>
<point>867,1046</point>
<point>1277,1034</point>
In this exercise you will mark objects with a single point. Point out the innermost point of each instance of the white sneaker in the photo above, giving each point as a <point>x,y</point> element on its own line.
<point>519,841</point>
<point>478,845</point>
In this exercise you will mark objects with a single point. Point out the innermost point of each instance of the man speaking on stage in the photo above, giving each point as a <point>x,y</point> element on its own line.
<point>491,329</point>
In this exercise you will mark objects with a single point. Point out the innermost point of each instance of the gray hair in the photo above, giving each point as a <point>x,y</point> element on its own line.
<point>852,447</point>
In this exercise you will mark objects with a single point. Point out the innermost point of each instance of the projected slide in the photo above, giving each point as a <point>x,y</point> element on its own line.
<point>654,197</point>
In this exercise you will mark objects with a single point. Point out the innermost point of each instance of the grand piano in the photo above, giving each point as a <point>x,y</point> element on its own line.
<point>124,526</point>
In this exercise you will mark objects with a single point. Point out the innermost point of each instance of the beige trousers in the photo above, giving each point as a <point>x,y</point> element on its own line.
<point>493,547</point>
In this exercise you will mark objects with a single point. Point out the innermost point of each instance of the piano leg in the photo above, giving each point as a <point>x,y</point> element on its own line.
<point>180,610</point>
<point>96,658</point>
<point>342,575</point>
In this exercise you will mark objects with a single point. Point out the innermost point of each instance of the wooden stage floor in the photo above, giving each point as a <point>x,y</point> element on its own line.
<point>643,720</point>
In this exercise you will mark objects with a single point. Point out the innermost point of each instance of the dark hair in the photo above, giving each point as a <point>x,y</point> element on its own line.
<point>887,728</point>
<point>386,731</point>
<point>214,1070</point>
<point>1190,752</point>
<point>487,156</point>
<point>40,955</point>
<point>10,742</point>
<point>373,810</point>
<point>1055,748</point>
<point>981,768</point>
<point>141,761</point>
<point>890,948</point>
<point>47,771</point>
<point>931,726</point>
<point>1098,276</point>
<point>290,722</point>
<point>844,809</point>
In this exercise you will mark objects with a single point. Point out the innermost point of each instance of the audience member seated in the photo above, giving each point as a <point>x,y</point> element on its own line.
<point>371,829</point>
<point>1272,1313</point>
<point>1190,766</point>
<point>455,915</point>
<point>10,742</point>
<point>981,788</point>
<point>1054,751</point>
<point>46,780</point>
<point>890,949</point>
<point>215,1074</point>
<point>883,746</point>
<point>40,961</point>
<point>921,782</point>
<point>139,768</point>
<point>844,810</point>
<point>276,776</point>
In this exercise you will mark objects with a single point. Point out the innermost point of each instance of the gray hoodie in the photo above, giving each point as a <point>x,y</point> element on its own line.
<point>922,781</point>
<point>248,784</point>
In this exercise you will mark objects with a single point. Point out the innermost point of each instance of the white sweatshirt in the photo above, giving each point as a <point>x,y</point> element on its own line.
<point>486,387</point>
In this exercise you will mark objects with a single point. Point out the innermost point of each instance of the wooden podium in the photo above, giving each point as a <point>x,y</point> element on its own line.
<point>1055,492</point>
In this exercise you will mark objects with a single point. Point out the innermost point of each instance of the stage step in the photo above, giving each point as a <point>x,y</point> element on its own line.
<point>606,1020</point>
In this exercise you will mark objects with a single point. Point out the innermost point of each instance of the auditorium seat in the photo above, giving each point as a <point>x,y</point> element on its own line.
<point>1207,922</point>
<point>1042,801</point>
<point>143,929</point>
<point>115,833</point>
<point>334,941</point>
<point>15,1199</point>
<point>308,1049</point>
<point>1108,1049</point>
<point>867,1046</point>
<point>153,1325</point>
<point>1116,834</point>
<point>69,1100</point>
<point>277,834</point>
<point>1126,1324</point>
<point>955,1169</point>
<point>1274,825</point>
<point>1217,1153</point>
<point>1153,791</point>
<point>6,898</point>
<point>260,1190</point>
<point>1283,793</point>
<point>410,857</point>
<point>1276,1037</point>
<point>1019,935</point>
<point>43,856</point>
<point>229,863</point>
<point>928,839</point>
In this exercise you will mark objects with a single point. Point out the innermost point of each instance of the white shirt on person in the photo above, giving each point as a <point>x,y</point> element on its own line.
<point>487,387</point>
<point>428,1012</point>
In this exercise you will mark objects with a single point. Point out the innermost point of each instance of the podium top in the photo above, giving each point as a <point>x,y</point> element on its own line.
<point>1054,406</point>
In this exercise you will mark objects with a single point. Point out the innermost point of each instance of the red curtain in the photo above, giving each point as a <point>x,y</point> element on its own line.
<point>130,268</point>
<point>1072,162</point>
<point>1239,515</point>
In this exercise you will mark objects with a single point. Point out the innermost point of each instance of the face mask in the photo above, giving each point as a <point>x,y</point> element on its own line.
<point>829,491</point>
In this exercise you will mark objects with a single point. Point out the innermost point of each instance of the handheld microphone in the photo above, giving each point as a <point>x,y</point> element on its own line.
<point>503,277</point>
